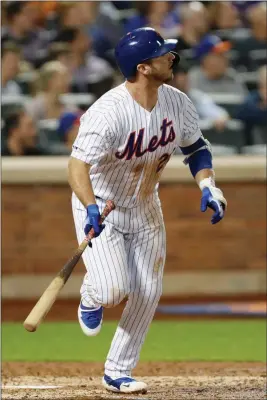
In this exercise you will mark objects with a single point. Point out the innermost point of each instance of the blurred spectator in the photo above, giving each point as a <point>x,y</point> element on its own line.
<point>88,12</point>
<point>253,112</point>
<point>214,74</point>
<point>257,17</point>
<point>69,15</point>
<point>102,24</point>
<point>250,45</point>
<point>205,106</point>
<point>123,5</point>
<point>22,138</point>
<point>223,15</point>
<point>10,58</point>
<point>243,7</point>
<point>60,51</point>
<point>194,25</point>
<point>87,69</point>
<point>101,29</point>
<point>158,15</point>
<point>68,128</point>
<point>22,29</point>
<point>49,15</point>
<point>35,13</point>
<point>74,42</point>
<point>47,7</point>
<point>54,81</point>
<point>3,14</point>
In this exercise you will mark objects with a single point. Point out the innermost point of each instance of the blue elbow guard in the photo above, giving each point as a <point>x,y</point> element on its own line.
<point>201,159</point>
<point>198,155</point>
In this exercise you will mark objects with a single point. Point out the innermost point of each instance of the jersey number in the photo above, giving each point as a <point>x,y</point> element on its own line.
<point>163,161</point>
<point>152,175</point>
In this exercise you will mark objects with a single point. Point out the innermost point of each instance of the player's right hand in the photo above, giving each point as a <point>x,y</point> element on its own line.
<point>93,220</point>
<point>212,197</point>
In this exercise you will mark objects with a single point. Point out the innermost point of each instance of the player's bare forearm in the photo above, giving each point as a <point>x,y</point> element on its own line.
<point>204,174</point>
<point>79,180</point>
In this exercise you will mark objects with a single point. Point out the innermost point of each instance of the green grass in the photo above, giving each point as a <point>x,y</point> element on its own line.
<point>166,341</point>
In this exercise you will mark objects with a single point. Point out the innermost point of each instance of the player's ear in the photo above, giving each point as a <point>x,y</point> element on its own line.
<point>144,68</point>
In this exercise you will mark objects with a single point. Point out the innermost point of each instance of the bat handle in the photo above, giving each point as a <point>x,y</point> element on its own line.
<point>108,208</point>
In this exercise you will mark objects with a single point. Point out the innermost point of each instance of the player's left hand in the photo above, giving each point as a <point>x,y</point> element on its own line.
<point>212,197</point>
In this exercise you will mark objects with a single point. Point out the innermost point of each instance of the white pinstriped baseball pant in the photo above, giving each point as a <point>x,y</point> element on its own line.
<point>127,259</point>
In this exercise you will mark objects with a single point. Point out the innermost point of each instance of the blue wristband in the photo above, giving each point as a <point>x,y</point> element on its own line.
<point>92,208</point>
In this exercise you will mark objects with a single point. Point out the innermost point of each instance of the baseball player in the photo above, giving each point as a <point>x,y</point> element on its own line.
<point>124,142</point>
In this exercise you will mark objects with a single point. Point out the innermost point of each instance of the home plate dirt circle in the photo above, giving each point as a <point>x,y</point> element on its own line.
<point>166,381</point>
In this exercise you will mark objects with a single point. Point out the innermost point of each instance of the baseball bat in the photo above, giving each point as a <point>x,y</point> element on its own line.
<point>44,304</point>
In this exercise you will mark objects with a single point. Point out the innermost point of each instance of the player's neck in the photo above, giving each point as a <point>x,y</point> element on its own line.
<point>145,95</point>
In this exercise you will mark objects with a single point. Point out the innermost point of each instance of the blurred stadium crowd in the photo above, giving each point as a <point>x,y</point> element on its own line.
<point>58,58</point>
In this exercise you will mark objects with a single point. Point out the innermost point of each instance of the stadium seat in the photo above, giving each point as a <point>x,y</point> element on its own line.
<point>98,88</point>
<point>48,129</point>
<point>234,56</point>
<point>49,138</point>
<point>26,80</point>
<point>259,57</point>
<point>94,88</point>
<point>251,53</point>
<point>3,135</point>
<point>49,124</point>
<point>188,55</point>
<point>229,102</point>
<point>232,137</point>
<point>249,79</point>
<point>223,150</point>
<point>256,149</point>
<point>80,100</point>
<point>115,13</point>
<point>58,149</point>
<point>12,103</point>
<point>48,135</point>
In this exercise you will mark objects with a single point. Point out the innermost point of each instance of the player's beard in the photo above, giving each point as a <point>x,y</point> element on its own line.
<point>163,77</point>
<point>170,77</point>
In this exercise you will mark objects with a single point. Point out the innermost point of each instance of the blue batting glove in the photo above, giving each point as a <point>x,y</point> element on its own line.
<point>92,220</point>
<point>212,197</point>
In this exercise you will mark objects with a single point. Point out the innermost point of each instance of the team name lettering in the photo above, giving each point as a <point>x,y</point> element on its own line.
<point>135,142</point>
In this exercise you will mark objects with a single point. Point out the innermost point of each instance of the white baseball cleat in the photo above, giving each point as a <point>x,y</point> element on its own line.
<point>90,319</point>
<point>124,385</point>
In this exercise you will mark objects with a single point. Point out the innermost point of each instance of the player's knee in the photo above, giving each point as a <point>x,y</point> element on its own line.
<point>151,296</point>
<point>114,297</point>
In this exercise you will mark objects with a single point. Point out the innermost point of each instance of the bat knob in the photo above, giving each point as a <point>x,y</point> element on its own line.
<point>29,327</point>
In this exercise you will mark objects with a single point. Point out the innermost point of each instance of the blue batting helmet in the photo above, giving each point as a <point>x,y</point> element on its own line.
<point>140,45</point>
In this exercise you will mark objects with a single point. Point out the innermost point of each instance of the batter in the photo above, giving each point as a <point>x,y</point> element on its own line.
<point>124,142</point>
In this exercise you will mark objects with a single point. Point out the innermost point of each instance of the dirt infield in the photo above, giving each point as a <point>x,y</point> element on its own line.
<point>168,381</point>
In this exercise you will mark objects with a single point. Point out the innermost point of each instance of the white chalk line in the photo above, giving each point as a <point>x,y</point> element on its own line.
<point>30,387</point>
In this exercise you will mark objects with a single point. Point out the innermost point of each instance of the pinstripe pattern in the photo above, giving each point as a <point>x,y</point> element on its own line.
<point>105,129</point>
<point>128,148</point>
<point>127,259</point>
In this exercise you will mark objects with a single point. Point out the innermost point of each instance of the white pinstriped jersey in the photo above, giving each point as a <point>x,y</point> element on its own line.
<point>128,146</point>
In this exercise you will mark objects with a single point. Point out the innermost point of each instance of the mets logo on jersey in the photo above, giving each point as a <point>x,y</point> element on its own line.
<point>134,144</point>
